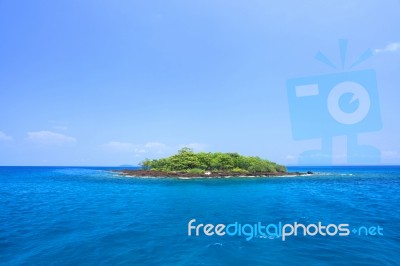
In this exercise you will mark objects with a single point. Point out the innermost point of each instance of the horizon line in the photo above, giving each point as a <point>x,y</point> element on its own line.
<point>291,165</point>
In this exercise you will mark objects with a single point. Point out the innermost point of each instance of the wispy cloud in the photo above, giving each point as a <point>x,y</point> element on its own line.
<point>195,146</point>
<point>290,157</point>
<point>118,146</point>
<point>156,146</point>
<point>49,138</point>
<point>148,148</point>
<point>391,47</point>
<point>5,137</point>
<point>59,125</point>
<point>60,128</point>
<point>390,154</point>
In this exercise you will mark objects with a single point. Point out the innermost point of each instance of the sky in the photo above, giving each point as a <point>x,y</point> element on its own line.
<point>106,83</point>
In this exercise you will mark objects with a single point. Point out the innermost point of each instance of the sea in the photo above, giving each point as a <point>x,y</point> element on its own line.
<point>93,216</point>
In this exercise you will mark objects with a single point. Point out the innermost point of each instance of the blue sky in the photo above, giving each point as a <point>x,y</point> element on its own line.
<point>114,82</point>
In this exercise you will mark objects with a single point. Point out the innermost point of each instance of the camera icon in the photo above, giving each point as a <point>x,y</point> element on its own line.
<point>332,105</point>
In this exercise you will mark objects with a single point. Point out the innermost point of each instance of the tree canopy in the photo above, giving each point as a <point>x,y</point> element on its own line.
<point>186,160</point>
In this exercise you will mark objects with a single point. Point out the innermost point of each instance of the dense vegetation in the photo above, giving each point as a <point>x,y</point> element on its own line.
<point>188,161</point>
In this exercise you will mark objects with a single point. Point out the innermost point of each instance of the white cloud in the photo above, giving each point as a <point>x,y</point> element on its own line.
<point>5,137</point>
<point>155,145</point>
<point>391,47</point>
<point>49,138</point>
<point>150,147</point>
<point>147,148</point>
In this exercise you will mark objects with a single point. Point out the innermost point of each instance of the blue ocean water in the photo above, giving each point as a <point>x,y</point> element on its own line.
<point>90,216</point>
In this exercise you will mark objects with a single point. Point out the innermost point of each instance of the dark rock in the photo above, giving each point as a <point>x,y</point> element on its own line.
<point>153,173</point>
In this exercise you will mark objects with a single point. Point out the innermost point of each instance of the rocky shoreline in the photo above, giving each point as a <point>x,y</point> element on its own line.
<point>152,173</point>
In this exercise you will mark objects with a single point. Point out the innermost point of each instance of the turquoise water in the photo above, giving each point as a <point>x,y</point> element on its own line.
<point>89,216</point>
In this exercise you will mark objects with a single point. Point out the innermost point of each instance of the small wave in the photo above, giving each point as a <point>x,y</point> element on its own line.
<point>215,244</point>
<point>323,173</point>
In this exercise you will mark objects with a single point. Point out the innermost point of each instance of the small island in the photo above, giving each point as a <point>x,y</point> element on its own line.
<point>188,164</point>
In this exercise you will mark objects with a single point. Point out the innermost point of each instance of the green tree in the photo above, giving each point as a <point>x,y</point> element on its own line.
<point>145,164</point>
<point>186,160</point>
